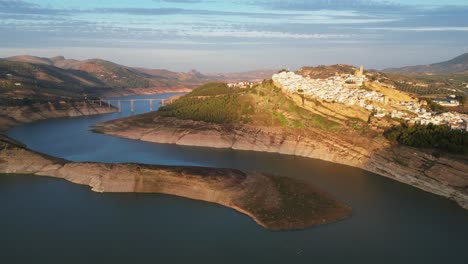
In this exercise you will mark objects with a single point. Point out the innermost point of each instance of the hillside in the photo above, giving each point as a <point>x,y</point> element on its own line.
<point>323,72</point>
<point>267,119</point>
<point>262,105</point>
<point>31,59</point>
<point>38,78</point>
<point>458,65</point>
<point>119,76</point>
<point>27,80</point>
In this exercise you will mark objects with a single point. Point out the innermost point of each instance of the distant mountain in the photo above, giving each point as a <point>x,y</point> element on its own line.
<point>119,76</point>
<point>36,76</point>
<point>22,79</point>
<point>25,75</point>
<point>31,59</point>
<point>257,75</point>
<point>457,65</point>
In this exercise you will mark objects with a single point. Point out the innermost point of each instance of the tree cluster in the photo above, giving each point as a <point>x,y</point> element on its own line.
<point>430,136</point>
<point>219,109</point>
<point>212,89</point>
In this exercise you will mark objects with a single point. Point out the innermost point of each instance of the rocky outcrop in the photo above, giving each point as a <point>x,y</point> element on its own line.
<point>442,175</point>
<point>273,202</point>
<point>14,115</point>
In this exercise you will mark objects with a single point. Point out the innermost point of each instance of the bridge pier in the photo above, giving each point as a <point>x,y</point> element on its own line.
<point>132,106</point>
<point>120,106</point>
<point>151,104</point>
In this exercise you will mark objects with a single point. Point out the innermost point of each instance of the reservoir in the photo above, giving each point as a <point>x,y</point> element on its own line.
<point>46,220</point>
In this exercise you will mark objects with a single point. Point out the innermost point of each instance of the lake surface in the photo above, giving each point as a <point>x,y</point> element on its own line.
<point>46,220</point>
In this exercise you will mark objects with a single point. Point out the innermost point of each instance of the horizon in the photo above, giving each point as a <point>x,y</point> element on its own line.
<point>237,36</point>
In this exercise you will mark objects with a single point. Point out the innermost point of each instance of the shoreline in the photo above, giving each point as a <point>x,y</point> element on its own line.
<point>444,175</point>
<point>12,116</point>
<point>257,195</point>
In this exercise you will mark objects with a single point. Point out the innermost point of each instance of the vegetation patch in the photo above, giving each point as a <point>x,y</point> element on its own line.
<point>263,105</point>
<point>212,89</point>
<point>323,122</point>
<point>433,106</point>
<point>221,110</point>
<point>281,118</point>
<point>298,205</point>
<point>430,136</point>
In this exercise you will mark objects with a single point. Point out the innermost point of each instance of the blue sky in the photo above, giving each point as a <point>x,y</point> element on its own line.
<point>236,35</point>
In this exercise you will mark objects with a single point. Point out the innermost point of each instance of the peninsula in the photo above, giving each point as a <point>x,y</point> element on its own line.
<point>336,113</point>
<point>276,203</point>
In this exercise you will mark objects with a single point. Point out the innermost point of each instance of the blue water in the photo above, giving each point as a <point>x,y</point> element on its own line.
<point>45,220</point>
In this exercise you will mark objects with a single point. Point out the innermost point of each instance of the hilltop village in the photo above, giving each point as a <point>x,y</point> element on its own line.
<point>350,89</point>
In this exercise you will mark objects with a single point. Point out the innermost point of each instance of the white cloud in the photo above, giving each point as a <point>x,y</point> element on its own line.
<point>260,34</point>
<point>419,29</point>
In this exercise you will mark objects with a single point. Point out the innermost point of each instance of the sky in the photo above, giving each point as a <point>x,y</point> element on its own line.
<point>237,35</point>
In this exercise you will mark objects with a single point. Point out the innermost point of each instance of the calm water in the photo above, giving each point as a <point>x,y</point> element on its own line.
<point>46,220</point>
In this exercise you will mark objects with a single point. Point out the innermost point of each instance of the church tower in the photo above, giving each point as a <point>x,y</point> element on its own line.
<point>359,73</point>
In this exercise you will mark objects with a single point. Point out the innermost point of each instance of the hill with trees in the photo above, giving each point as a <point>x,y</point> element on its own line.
<point>27,80</point>
<point>118,76</point>
<point>458,65</point>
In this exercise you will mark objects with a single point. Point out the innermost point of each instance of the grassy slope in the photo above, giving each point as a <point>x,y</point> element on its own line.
<point>262,105</point>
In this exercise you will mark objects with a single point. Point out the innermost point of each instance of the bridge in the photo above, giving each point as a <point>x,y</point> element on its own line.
<point>118,102</point>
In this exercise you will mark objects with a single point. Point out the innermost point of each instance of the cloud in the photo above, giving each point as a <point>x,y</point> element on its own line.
<point>23,7</point>
<point>419,29</point>
<point>260,34</point>
<point>325,4</point>
<point>244,25</point>
<point>183,11</point>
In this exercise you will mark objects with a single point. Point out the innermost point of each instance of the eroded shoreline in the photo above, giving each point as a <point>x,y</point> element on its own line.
<point>275,203</point>
<point>442,175</point>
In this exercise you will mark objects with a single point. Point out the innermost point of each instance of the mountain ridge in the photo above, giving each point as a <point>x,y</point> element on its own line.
<point>38,77</point>
<point>458,65</point>
<point>64,63</point>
